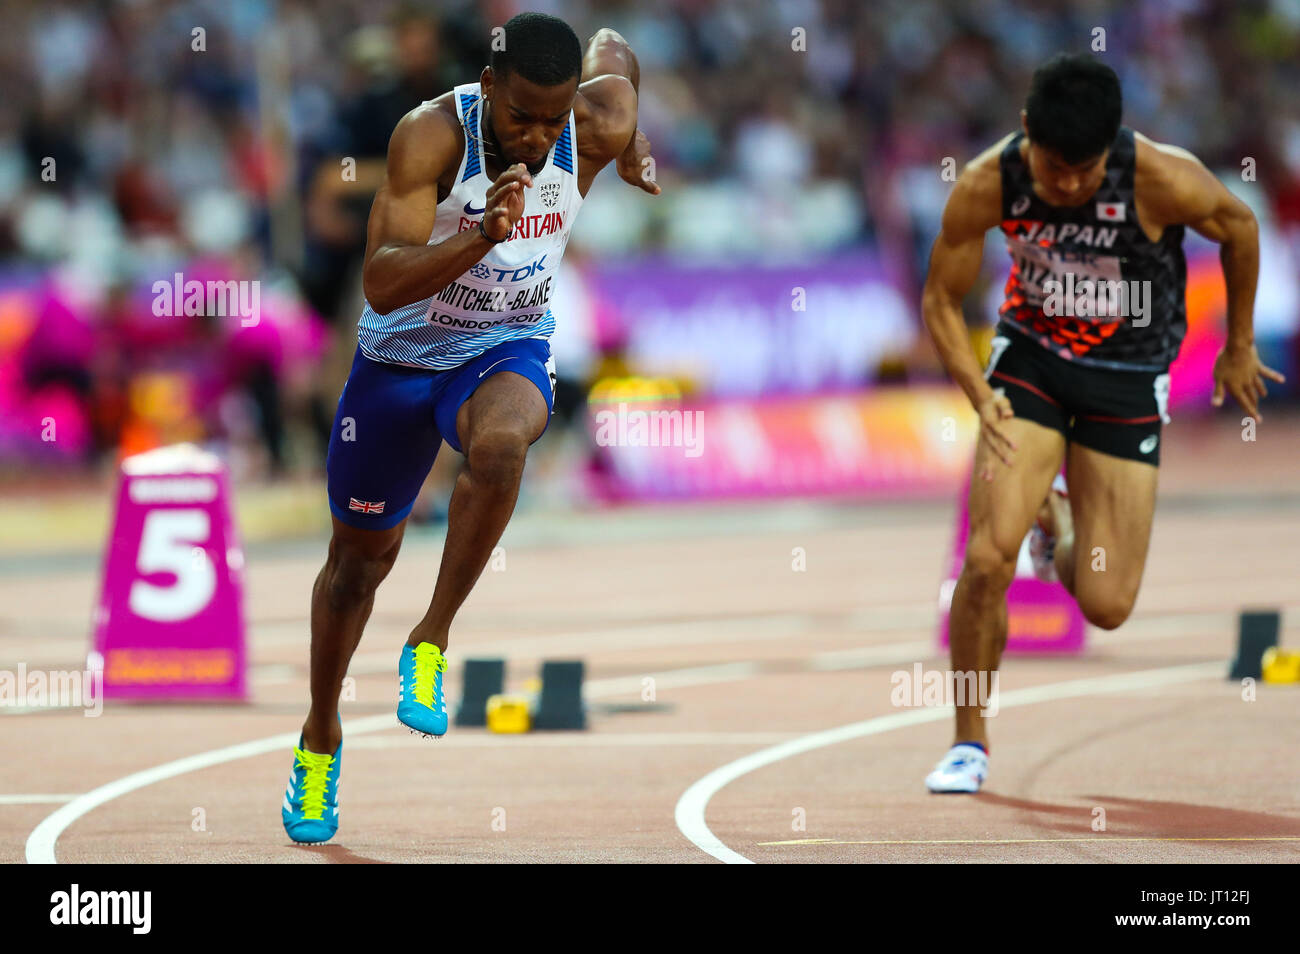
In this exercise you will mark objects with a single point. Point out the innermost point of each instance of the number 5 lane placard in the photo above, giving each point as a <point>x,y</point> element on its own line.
<point>170,621</point>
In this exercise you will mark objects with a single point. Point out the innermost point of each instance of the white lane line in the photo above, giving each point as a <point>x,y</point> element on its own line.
<point>688,633</point>
<point>41,842</point>
<point>35,799</point>
<point>836,659</point>
<point>903,618</point>
<point>563,740</point>
<point>28,710</point>
<point>1095,839</point>
<point>900,618</point>
<point>689,813</point>
<point>673,679</point>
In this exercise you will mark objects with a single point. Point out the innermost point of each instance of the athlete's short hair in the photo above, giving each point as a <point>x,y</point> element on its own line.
<point>1074,106</point>
<point>541,48</point>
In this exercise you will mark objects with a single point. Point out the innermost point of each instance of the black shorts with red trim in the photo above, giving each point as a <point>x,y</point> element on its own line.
<point>1114,412</point>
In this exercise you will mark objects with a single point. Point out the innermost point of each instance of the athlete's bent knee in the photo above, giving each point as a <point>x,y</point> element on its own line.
<point>352,577</point>
<point>496,457</point>
<point>986,567</point>
<point>1107,612</point>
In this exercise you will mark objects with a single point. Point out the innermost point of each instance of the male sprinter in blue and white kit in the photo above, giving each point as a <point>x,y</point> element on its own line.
<point>1082,202</point>
<point>464,239</point>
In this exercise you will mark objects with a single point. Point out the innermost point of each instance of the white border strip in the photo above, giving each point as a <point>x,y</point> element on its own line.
<point>40,799</point>
<point>691,806</point>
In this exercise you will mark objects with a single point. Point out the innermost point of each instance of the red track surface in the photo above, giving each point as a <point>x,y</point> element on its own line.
<point>643,593</point>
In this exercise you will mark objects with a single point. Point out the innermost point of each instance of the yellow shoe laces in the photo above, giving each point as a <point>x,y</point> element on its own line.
<point>429,661</point>
<point>313,785</point>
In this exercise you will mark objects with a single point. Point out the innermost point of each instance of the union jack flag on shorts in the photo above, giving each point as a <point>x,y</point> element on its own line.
<point>365,506</point>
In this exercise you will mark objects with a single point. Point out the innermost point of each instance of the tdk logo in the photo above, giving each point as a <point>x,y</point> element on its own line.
<point>487,272</point>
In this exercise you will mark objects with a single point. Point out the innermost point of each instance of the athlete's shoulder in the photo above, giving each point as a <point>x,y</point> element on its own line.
<point>1162,163</point>
<point>975,204</point>
<point>983,174</point>
<point>605,112</point>
<point>429,136</point>
<point>1152,154</point>
<point>1170,180</point>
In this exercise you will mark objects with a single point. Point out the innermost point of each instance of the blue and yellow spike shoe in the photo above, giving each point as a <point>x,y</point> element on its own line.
<point>310,809</point>
<point>420,705</point>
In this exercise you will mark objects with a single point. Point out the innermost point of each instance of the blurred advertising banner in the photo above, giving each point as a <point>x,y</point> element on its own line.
<point>1191,376</point>
<point>884,442</point>
<point>751,329</point>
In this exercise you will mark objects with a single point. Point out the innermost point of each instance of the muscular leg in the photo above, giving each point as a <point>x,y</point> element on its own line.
<point>1001,512</point>
<point>341,600</point>
<point>1112,502</point>
<point>503,416</point>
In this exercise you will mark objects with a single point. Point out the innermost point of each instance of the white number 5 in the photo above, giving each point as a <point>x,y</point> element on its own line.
<point>168,544</point>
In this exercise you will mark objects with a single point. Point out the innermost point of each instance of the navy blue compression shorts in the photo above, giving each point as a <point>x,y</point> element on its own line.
<point>391,419</point>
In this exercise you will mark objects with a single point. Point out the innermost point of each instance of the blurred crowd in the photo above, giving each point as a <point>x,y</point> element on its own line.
<point>144,138</point>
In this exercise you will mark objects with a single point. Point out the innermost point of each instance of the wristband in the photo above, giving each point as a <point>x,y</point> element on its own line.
<point>488,237</point>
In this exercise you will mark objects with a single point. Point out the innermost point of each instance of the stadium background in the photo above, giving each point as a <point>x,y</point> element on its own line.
<point>227,163</point>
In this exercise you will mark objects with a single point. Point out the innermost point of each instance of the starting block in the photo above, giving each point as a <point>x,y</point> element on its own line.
<point>484,678</point>
<point>509,714</point>
<point>560,705</point>
<point>553,702</point>
<point>1256,634</point>
<point>1041,617</point>
<point>1281,666</point>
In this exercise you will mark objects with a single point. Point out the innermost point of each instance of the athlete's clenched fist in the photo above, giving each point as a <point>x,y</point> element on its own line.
<point>504,205</point>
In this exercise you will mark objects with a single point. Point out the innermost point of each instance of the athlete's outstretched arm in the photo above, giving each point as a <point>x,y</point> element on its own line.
<point>400,268</point>
<point>972,209</point>
<point>1187,193</point>
<point>610,84</point>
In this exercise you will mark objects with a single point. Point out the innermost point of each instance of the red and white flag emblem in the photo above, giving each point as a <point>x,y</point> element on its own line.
<point>1110,211</point>
<point>365,506</point>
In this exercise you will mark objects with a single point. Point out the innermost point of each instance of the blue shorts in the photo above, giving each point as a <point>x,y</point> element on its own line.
<point>391,420</point>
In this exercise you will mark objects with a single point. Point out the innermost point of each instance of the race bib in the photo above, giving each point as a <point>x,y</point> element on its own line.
<point>1080,284</point>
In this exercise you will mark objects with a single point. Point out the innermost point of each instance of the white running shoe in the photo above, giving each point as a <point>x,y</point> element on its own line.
<point>1042,545</point>
<point>1042,551</point>
<point>963,769</point>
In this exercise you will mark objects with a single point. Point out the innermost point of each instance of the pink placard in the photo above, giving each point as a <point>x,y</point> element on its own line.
<point>170,621</point>
<point>1041,617</point>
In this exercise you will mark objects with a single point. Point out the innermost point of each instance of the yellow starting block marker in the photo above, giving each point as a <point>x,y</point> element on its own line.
<point>507,713</point>
<point>1281,665</point>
